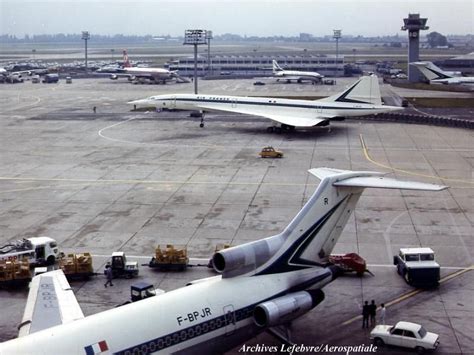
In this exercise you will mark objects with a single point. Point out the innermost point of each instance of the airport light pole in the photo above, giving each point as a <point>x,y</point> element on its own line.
<point>86,36</point>
<point>337,36</point>
<point>195,38</point>
<point>208,38</point>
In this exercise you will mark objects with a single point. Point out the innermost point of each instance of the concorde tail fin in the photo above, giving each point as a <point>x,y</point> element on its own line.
<point>365,91</point>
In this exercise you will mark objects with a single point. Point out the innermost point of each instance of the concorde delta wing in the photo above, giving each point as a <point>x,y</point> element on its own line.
<point>274,115</point>
<point>51,302</point>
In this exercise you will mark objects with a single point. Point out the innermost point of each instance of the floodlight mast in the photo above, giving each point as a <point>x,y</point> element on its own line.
<point>86,36</point>
<point>337,36</point>
<point>195,38</point>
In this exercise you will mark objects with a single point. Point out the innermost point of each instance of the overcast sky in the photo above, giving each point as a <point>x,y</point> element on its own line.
<point>245,17</point>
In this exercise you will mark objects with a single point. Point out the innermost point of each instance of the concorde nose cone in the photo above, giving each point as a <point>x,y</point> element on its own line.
<point>140,102</point>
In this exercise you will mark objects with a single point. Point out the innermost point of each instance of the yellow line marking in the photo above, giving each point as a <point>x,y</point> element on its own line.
<point>367,156</point>
<point>413,293</point>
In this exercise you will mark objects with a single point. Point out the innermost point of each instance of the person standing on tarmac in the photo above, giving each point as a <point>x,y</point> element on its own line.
<point>110,275</point>
<point>365,315</point>
<point>373,313</point>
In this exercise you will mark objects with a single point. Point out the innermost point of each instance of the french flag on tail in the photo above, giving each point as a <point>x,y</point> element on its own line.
<point>96,348</point>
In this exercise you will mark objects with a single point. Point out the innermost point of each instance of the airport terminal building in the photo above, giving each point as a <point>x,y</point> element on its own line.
<point>257,65</point>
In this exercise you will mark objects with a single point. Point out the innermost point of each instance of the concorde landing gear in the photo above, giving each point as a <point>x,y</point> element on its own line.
<point>198,114</point>
<point>282,128</point>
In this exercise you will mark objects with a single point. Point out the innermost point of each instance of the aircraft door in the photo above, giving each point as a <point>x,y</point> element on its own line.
<point>234,103</point>
<point>173,102</point>
<point>319,109</point>
<point>229,319</point>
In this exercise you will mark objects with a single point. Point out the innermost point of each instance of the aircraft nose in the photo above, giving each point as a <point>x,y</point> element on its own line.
<point>139,102</point>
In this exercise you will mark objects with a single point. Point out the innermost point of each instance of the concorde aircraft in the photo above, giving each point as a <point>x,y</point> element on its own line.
<point>438,76</point>
<point>262,285</point>
<point>361,98</point>
<point>296,75</point>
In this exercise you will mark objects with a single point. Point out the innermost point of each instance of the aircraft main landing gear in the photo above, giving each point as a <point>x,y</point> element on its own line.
<point>282,128</point>
<point>202,121</point>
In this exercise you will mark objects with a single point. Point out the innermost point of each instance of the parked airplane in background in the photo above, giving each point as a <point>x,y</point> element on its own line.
<point>298,76</point>
<point>438,76</point>
<point>263,284</point>
<point>137,74</point>
<point>361,98</point>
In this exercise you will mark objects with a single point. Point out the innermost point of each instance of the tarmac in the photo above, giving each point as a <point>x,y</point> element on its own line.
<point>127,180</point>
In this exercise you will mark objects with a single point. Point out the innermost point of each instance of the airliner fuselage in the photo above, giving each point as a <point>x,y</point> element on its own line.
<point>205,317</point>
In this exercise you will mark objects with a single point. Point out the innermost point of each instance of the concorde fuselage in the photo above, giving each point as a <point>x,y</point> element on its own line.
<point>258,105</point>
<point>207,317</point>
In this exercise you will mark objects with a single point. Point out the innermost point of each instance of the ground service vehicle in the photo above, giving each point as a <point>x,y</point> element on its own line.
<point>50,78</point>
<point>405,334</point>
<point>170,258</point>
<point>68,80</point>
<point>76,265</point>
<point>349,262</point>
<point>37,250</point>
<point>270,152</point>
<point>418,266</point>
<point>14,273</point>
<point>121,267</point>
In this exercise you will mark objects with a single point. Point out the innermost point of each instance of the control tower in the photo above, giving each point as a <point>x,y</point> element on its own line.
<point>414,24</point>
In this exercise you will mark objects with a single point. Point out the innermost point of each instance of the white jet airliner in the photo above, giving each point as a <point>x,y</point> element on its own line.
<point>296,75</point>
<point>263,284</point>
<point>157,75</point>
<point>438,76</point>
<point>361,98</point>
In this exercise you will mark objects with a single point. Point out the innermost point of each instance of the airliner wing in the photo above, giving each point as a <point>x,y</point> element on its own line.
<point>51,302</point>
<point>274,116</point>
<point>296,121</point>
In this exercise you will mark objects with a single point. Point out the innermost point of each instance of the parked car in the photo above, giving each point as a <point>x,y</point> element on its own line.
<point>68,80</point>
<point>259,83</point>
<point>270,152</point>
<point>405,334</point>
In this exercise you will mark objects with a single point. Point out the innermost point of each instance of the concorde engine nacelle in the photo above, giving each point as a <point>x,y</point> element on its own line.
<point>113,77</point>
<point>246,257</point>
<point>284,309</point>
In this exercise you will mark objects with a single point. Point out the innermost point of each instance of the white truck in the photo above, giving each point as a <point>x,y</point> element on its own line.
<point>418,266</point>
<point>38,251</point>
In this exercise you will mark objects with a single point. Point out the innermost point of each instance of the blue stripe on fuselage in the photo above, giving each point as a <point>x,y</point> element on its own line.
<point>272,104</point>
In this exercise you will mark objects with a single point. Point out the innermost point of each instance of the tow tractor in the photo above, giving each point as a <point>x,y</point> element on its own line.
<point>350,262</point>
<point>38,251</point>
<point>418,267</point>
<point>141,290</point>
<point>121,267</point>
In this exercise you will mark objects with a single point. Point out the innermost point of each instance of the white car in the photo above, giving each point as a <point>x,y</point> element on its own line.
<point>405,334</point>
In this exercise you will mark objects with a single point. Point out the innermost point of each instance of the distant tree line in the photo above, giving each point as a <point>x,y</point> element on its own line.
<point>68,38</point>
<point>434,38</point>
